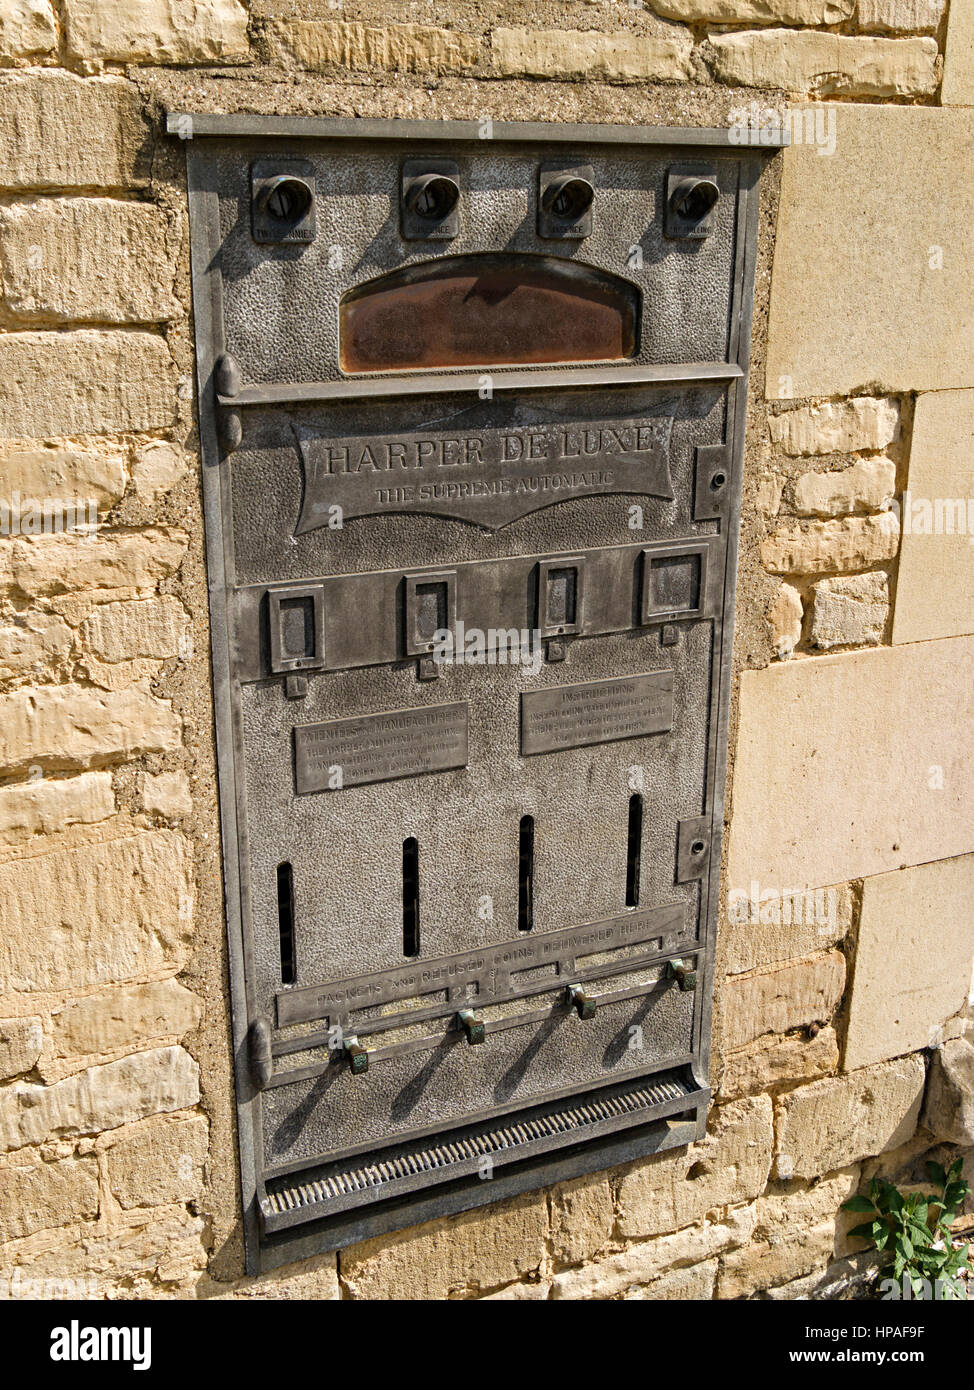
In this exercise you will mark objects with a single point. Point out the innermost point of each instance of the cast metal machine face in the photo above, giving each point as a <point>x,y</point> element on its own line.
<point>472,414</point>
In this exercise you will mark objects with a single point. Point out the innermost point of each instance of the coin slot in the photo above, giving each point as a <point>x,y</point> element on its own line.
<point>525,874</point>
<point>410,897</point>
<point>633,849</point>
<point>285,922</point>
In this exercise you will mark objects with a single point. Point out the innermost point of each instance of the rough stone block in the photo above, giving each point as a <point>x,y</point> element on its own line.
<point>772,1060</point>
<point>156,31</point>
<point>811,12</point>
<point>158,468</point>
<point>949,1109</point>
<point>774,1001</point>
<point>101,1098</point>
<point>37,1196</point>
<point>159,1161</point>
<point>124,1018</point>
<point>65,564</point>
<point>766,925</point>
<point>96,914</point>
<point>27,30</point>
<point>850,612</point>
<point>889,278</point>
<point>87,258</point>
<point>935,580</point>
<point>21,1040</point>
<point>695,1283</point>
<point>853,543</point>
<point>34,645</point>
<point>582,1217</point>
<point>61,131</point>
<point>51,804</point>
<point>914,958</point>
<point>167,794</point>
<point>827,64</point>
<point>829,1124</point>
<point>474,1252</point>
<point>643,1263</point>
<point>958,85</point>
<point>730,1165</point>
<point>866,486</point>
<point>317,45</point>
<point>839,427</point>
<point>140,627</point>
<point>621,57</point>
<point>785,620</point>
<point>84,382</point>
<point>832,778</point>
<point>56,727</point>
<point>900,16</point>
<point>92,476</point>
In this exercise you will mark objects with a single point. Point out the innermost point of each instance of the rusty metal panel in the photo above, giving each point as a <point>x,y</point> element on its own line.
<point>472,415</point>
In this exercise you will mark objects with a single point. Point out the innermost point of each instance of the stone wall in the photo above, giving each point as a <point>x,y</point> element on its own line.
<point>847,939</point>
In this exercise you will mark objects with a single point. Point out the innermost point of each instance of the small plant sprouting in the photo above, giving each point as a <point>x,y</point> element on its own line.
<point>914,1229</point>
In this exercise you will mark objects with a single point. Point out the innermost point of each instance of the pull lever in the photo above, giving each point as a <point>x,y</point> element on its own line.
<point>684,972</point>
<point>357,1055</point>
<point>581,1001</point>
<point>474,1027</point>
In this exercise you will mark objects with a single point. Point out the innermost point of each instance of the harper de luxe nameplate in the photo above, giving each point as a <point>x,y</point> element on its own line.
<point>489,476</point>
<point>570,716</point>
<point>380,747</point>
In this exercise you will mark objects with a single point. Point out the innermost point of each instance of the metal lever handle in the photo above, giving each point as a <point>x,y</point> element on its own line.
<point>581,1002</point>
<point>357,1055</point>
<point>684,972</point>
<point>474,1027</point>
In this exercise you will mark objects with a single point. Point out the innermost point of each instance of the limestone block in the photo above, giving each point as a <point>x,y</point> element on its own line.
<point>121,1018</point>
<point>793,1235</point>
<point>765,926</point>
<point>73,726</point>
<point>478,1250</point>
<point>105,382</point>
<point>889,278</point>
<point>673,1189</point>
<point>100,1098</point>
<point>159,1161</point>
<point>866,486</point>
<point>87,258</point>
<point>520,1293</point>
<point>850,612</point>
<point>622,57</point>
<point>35,474</point>
<point>767,494</point>
<point>949,1109</point>
<point>34,644</point>
<point>841,427</point>
<point>167,794</point>
<point>61,131</point>
<point>852,765</point>
<point>27,29</point>
<point>831,1123</point>
<point>158,468</point>
<point>696,1283</point>
<point>958,87</point>
<point>772,1060</point>
<point>649,1260</point>
<point>853,543</point>
<point>21,1040</point>
<point>316,1279</point>
<point>774,1001</point>
<point>811,12</point>
<point>914,958</point>
<point>785,620</point>
<point>156,31</point>
<point>317,44</point>
<point>42,1195</point>
<point>95,914</point>
<point>935,584</point>
<point>44,565</point>
<point>812,61</point>
<point>582,1217</point>
<point>49,804</point>
<point>140,627</point>
<point>901,16</point>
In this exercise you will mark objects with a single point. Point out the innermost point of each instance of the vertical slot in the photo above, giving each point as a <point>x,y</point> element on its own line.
<point>285,922</point>
<point>525,874</point>
<point>633,847</point>
<point>410,897</point>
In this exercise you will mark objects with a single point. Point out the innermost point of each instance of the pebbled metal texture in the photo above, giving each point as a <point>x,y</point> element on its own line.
<point>470,896</point>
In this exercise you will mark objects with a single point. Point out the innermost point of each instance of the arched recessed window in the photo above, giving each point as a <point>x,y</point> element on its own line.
<point>488,310</point>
